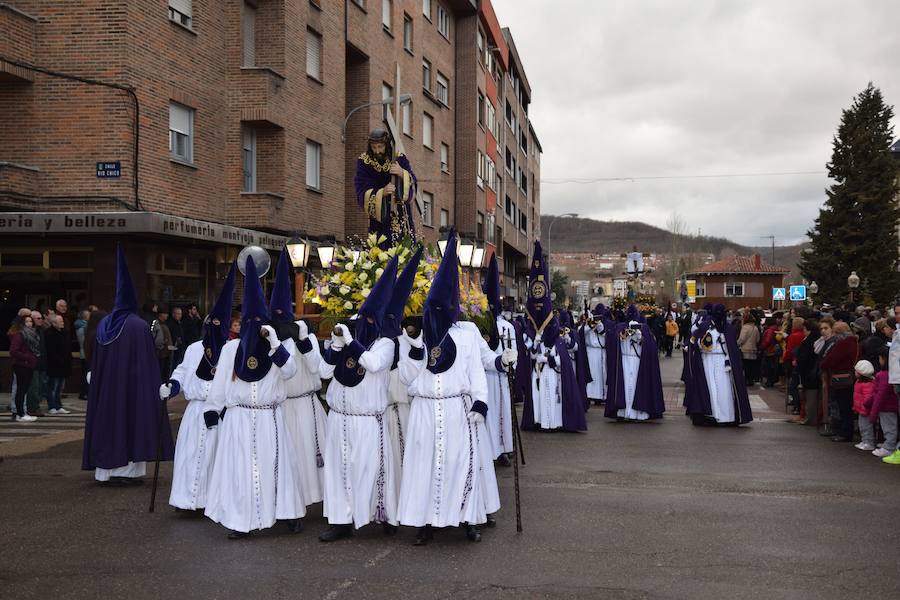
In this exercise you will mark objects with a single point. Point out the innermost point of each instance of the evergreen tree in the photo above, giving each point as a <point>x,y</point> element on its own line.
<point>856,229</point>
<point>559,284</point>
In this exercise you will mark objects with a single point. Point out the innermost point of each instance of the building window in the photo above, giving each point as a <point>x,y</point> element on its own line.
<point>479,169</point>
<point>387,7</point>
<point>443,22</point>
<point>701,289</point>
<point>386,93</point>
<point>181,12</point>
<point>181,132</point>
<point>479,225</point>
<point>481,108</point>
<point>248,156</point>
<point>523,222</point>
<point>313,165</point>
<point>427,208</point>
<point>406,118</point>
<point>445,217</point>
<point>360,3</point>
<point>407,32</point>
<point>445,158</point>
<point>426,75</point>
<point>510,163</point>
<point>426,9</point>
<point>523,142</point>
<point>427,130</point>
<point>733,290</point>
<point>480,47</point>
<point>490,228</point>
<point>523,181</point>
<point>314,54</point>
<point>509,209</point>
<point>443,90</point>
<point>248,35</point>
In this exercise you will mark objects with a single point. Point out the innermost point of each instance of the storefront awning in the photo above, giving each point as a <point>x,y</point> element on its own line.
<point>123,223</point>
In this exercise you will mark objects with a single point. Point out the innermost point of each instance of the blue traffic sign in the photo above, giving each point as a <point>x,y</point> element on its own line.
<point>798,293</point>
<point>778,294</point>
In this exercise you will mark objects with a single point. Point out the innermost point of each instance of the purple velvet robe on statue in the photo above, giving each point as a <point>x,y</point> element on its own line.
<point>648,394</point>
<point>368,181</point>
<point>124,409</point>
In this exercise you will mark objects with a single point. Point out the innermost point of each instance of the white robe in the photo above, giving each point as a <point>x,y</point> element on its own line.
<point>132,469</point>
<point>448,474</point>
<point>359,464</point>
<point>398,413</point>
<point>595,341</point>
<point>718,380</point>
<point>499,417</point>
<point>631,363</point>
<point>304,417</point>
<point>546,394</point>
<point>195,447</point>
<point>254,478</point>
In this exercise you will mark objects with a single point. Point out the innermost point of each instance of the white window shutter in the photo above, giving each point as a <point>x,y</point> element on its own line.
<point>313,54</point>
<point>182,6</point>
<point>179,118</point>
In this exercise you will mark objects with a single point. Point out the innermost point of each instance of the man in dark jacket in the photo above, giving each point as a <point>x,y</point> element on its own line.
<point>191,325</point>
<point>176,329</point>
<point>59,363</point>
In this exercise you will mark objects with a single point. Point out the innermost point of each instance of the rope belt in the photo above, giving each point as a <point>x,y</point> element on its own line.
<point>320,462</point>
<point>271,407</point>
<point>380,512</point>
<point>439,466</point>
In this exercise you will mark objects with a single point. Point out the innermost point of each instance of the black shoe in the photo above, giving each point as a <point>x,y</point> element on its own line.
<point>473,533</point>
<point>503,460</point>
<point>336,532</point>
<point>295,525</point>
<point>840,438</point>
<point>127,481</point>
<point>423,536</point>
<point>389,529</point>
<point>237,535</point>
<point>491,522</point>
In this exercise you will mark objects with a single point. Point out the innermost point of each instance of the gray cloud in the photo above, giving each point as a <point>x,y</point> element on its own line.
<point>629,88</point>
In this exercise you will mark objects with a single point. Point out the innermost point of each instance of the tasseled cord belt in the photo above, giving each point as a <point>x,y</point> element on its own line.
<point>320,462</point>
<point>271,407</point>
<point>380,512</point>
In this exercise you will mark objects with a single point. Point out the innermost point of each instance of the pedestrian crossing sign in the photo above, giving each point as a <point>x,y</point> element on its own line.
<point>798,293</point>
<point>778,294</point>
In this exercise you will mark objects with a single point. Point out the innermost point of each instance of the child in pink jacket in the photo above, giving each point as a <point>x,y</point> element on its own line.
<point>884,408</point>
<point>863,394</point>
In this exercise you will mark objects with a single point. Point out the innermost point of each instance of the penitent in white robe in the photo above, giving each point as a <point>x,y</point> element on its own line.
<point>448,470</point>
<point>304,417</point>
<point>546,393</point>
<point>359,464</point>
<point>595,341</point>
<point>718,380</point>
<point>498,419</point>
<point>254,479</point>
<point>630,353</point>
<point>397,414</point>
<point>195,448</point>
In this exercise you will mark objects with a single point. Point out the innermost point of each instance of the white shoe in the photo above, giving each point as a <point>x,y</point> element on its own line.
<point>862,446</point>
<point>882,452</point>
<point>63,411</point>
<point>26,419</point>
<point>52,411</point>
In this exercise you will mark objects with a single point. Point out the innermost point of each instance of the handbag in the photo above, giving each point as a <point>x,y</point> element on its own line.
<point>841,380</point>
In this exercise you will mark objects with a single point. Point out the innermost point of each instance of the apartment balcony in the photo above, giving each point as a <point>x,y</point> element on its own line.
<point>17,44</point>
<point>260,96</point>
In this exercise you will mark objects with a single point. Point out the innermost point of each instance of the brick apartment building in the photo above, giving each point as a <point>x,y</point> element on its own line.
<point>199,126</point>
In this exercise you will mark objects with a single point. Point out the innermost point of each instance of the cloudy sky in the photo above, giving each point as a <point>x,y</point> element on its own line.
<point>652,88</point>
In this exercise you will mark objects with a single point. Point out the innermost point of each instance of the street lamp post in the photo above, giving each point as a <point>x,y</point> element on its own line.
<point>549,229</point>
<point>298,251</point>
<point>852,283</point>
<point>404,99</point>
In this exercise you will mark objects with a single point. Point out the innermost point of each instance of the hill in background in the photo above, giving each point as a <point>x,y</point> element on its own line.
<point>577,234</point>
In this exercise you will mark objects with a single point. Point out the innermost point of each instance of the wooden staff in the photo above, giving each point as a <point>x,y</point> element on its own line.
<point>517,440</point>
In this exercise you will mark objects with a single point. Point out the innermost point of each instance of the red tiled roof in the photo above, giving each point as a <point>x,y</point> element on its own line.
<point>740,265</point>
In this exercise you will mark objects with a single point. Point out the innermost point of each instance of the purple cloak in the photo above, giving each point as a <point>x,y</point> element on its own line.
<point>523,367</point>
<point>124,410</point>
<point>573,417</point>
<point>696,392</point>
<point>369,179</point>
<point>582,368</point>
<point>648,394</point>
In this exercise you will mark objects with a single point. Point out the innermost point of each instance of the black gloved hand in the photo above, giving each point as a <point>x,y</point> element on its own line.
<point>211,418</point>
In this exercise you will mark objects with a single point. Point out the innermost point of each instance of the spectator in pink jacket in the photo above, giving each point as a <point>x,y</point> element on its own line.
<point>863,394</point>
<point>884,408</point>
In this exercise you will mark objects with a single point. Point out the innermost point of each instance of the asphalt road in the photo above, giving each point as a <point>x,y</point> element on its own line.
<point>661,510</point>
